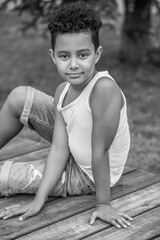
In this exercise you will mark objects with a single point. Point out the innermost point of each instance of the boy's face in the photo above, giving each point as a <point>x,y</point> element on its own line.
<point>75,57</point>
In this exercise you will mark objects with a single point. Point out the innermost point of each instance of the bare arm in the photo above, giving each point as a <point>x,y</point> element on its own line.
<point>106,103</point>
<point>106,106</point>
<point>57,157</point>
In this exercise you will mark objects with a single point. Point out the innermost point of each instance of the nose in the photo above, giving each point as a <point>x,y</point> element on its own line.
<point>73,63</point>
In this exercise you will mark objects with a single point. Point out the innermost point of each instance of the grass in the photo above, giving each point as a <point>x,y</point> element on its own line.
<point>24,60</point>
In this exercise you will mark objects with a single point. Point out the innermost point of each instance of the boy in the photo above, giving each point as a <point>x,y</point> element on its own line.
<point>90,119</point>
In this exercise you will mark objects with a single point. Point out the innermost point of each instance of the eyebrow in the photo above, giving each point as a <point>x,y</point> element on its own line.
<point>84,50</point>
<point>79,51</point>
<point>62,52</point>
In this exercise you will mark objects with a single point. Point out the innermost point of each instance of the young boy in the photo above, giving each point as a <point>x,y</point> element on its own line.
<point>90,119</point>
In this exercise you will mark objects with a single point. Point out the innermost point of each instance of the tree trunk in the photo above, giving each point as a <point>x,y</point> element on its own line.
<point>136,31</point>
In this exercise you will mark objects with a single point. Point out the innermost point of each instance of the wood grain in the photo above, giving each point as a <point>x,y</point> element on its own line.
<point>145,226</point>
<point>65,208</point>
<point>78,227</point>
<point>137,193</point>
<point>20,147</point>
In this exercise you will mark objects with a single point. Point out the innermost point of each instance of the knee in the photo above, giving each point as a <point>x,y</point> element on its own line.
<point>16,100</point>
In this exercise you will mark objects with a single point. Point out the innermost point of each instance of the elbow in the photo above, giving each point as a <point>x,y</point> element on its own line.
<point>100,156</point>
<point>99,153</point>
<point>100,150</point>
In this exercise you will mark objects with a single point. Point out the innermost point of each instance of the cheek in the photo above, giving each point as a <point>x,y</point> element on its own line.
<point>89,64</point>
<point>60,66</point>
<point>60,72</point>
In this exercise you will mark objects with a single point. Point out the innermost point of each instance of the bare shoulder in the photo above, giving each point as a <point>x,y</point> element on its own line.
<point>106,85</point>
<point>106,90</point>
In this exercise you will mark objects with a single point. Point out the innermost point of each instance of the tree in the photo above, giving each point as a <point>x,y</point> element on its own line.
<point>136,32</point>
<point>136,44</point>
<point>39,10</point>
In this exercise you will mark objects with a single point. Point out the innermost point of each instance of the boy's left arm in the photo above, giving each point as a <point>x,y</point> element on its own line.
<point>105,102</point>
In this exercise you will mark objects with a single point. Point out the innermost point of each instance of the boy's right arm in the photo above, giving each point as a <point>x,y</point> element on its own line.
<point>58,155</point>
<point>55,165</point>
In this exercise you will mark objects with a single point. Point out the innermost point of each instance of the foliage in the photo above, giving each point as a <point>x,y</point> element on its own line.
<point>40,10</point>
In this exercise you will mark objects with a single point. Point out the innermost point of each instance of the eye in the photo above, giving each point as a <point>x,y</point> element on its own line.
<point>64,57</point>
<point>83,55</point>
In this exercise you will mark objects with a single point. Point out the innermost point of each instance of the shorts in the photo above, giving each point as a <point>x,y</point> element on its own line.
<point>38,114</point>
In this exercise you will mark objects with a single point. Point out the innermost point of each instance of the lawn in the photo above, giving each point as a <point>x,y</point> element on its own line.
<point>24,60</point>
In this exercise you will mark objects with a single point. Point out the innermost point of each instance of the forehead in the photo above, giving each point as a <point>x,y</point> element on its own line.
<point>73,42</point>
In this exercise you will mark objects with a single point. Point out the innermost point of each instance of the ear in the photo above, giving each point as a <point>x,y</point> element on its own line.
<point>98,53</point>
<point>51,53</point>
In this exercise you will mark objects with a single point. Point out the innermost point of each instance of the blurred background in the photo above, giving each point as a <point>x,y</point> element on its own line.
<point>130,37</point>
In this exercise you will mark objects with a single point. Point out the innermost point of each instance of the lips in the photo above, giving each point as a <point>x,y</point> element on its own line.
<point>74,75</point>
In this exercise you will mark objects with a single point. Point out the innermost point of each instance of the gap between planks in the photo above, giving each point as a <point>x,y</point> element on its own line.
<point>21,147</point>
<point>63,209</point>
<point>77,227</point>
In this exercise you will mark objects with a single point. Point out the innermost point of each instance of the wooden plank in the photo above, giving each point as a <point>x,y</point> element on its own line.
<point>78,227</point>
<point>21,199</point>
<point>31,156</point>
<point>145,226</point>
<point>15,143</point>
<point>17,199</point>
<point>64,208</point>
<point>128,170</point>
<point>134,181</point>
<point>20,147</point>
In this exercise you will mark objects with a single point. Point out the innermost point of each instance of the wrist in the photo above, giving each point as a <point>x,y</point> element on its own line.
<point>103,204</point>
<point>40,198</point>
<point>103,199</point>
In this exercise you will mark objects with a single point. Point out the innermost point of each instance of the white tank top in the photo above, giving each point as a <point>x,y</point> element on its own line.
<point>78,119</point>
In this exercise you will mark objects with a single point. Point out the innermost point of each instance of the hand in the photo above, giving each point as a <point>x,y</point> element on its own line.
<point>110,215</point>
<point>28,210</point>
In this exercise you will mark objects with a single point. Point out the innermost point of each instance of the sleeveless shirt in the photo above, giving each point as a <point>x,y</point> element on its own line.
<point>78,119</point>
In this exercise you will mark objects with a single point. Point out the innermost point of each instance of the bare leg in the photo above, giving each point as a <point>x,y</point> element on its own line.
<point>10,113</point>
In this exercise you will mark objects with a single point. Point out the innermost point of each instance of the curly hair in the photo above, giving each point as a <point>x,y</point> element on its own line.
<point>75,18</point>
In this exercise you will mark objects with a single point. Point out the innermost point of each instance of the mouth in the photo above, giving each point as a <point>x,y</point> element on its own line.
<point>74,75</point>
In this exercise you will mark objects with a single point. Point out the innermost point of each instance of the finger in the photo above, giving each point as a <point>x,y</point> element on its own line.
<point>8,210</point>
<point>5,213</point>
<point>11,207</point>
<point>126,216</point>
<point>126,222</point>
<point>114,223</point>
<point>93,217</point>
<point>121,222</point>
<point>14,212</point>
<point>28,214</point>
<point>11,214</point>
<point>2,214</point>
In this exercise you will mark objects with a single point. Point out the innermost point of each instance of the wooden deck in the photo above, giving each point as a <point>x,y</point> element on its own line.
<point>137,193</point>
